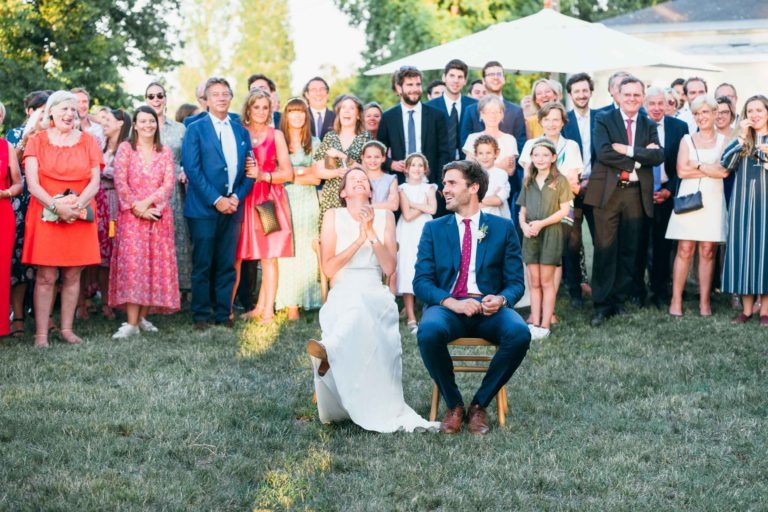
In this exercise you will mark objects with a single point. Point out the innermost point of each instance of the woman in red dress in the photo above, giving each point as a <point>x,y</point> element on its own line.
<point>272,168</point>
<point>58,159</point>
<point>10,186</point>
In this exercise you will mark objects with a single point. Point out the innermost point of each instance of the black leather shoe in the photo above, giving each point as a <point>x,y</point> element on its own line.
<point>637,301</point>
<point>599,318</point>
<point>229,323</point>
<point>659,302</point>
<point>618,310</point>
<point>577,302</point>
<point>201,325</point>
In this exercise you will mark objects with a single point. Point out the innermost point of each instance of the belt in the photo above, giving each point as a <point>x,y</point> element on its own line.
<point>628,184</point>
<point>475,295</point>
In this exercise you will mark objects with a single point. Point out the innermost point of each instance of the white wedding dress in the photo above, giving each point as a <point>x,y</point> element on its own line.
<point>362,338</point>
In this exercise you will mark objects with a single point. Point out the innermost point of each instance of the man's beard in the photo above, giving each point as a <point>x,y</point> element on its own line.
<point>409,101</point>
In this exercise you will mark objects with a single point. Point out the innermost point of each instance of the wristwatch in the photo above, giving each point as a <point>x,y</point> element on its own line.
<point>374,241</point>
<point>503,301</point>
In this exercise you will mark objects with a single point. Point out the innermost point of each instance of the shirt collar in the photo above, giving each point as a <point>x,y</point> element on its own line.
<point>449,103</point>
<point>416,108</point>
<point>625,117</point>
<point>474,220</point>
<point>220,122</point>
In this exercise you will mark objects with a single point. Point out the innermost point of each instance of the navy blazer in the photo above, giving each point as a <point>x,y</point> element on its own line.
<point>513,123</point>
<point>329,116</point>
<point>206,168</point>
<point>191,119</point>
<point>610,128</point>
<point>674,130</point>
<point>453,135</point>
<point>498,262</point>
<point>434,140</point>
<point>571,131</point>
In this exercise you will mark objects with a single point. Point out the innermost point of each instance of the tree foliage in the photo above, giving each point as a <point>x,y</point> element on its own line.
<point>396,28</point>
<point>257,41</point>
<point>53,44</point>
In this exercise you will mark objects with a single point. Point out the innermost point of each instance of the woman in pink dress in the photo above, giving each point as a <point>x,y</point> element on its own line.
<point>272,168</point>
<point>142,274</point>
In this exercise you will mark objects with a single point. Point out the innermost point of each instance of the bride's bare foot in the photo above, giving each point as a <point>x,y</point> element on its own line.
<point>70,337</point>
<point>253,314</point>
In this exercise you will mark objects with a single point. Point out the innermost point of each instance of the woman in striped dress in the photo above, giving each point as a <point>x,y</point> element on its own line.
<point>745,271</point>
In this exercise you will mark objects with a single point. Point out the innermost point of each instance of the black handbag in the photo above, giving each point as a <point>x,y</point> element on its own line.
<point>268,214</point>
<point>689,202</point>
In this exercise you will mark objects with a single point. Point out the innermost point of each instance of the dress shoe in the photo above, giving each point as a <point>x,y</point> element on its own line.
<point>741,319</point>
<point>201,325</point>
<point>659,302</point>
<point>577,302</point>
<point>478,421</point>
<point>764,320</point>
<point>451,423</point>
<point>229,323</point>
<point>599,318</point>
<point>317,349</point>
<point>637,301</point>
<point>618,310</point>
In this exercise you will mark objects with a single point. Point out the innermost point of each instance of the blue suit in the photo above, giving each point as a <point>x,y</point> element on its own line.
<point>498,271</point>
<point>214,234</point>
<point>453,131</point>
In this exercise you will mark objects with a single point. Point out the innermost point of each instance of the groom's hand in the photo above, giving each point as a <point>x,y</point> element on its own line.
<point>469,307</point>
<point>491,304</point>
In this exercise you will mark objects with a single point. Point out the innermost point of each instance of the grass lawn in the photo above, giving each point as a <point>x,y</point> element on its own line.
<point>647,413</point>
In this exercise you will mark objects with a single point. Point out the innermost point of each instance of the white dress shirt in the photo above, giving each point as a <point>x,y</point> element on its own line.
<point>449,105</point>
<point>315,113</point>
<point>660,130</point>
<point>586,142</point>
<point>226,136</point>
<point>474,224</point>
<point>416,121</point>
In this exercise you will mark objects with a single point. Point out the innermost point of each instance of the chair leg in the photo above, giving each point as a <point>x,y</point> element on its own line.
<point>500,398</point>
<point>435,403</point>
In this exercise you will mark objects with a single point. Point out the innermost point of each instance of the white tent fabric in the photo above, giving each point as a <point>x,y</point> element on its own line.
<point>549,42</point>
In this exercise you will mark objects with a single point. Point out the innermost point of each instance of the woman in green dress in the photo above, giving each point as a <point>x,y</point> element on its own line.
<point>340,148</point>
<point>299,285</point>
<point>171,135</point>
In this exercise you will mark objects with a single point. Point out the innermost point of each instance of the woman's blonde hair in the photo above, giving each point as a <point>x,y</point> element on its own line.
<point>55,100</point>
<point>750,142</point>
<point>252,98</point>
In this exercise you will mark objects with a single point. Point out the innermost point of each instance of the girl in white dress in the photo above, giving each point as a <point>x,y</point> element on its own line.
<point>358,365</point>
<point>417,205</point>
<point>486,150</point>
<point>698,166</point>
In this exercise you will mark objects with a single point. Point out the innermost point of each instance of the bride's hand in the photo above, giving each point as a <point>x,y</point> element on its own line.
<point>366,219</point>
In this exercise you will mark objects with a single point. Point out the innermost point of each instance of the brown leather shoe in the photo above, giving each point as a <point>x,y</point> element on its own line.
<point>201,325</point>
<point>452,421</point>
<point>317,349</point>
<point>478,421</point>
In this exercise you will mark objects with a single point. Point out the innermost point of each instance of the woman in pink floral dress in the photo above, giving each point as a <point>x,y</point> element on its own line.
<point>143,276</point>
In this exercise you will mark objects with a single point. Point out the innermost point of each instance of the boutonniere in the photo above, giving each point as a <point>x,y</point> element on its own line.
<point>482,232</point>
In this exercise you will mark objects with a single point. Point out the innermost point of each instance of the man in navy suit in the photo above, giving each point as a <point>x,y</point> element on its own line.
<point>316,93</point>
<point>621,193</point>
<point>581,123</point>
<point>469,274</point>
<point>213,154</point>
<point>413,127</point>
<point>453,103</point>
<point>665,180</point>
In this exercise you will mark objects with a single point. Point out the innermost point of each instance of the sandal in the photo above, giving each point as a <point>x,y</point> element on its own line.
<point>17,332</point>
<point>741,319</point>
<point>41,341</point>
<point>107,312</point>
<point>70,337</point>
<point>412,325</point>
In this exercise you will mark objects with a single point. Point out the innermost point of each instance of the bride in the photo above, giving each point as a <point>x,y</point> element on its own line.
<point>358,365</point>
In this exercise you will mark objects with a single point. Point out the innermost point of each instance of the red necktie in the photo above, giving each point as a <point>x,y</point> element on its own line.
<point>460,290</point>
<point>625,174</point>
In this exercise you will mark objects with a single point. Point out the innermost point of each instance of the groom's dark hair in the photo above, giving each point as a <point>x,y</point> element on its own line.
<point>472,173</point>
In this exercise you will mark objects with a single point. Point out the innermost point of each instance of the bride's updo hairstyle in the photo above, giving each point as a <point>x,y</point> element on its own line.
<point>356,167</point>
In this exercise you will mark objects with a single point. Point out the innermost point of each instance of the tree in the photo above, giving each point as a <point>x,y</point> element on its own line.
<point>258,41</point>
<point>396,28</point>
<point>54,44</point>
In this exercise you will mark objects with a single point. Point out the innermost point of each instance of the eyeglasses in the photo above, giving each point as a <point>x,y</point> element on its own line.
<point>672,103</point>
<point>160,96</point>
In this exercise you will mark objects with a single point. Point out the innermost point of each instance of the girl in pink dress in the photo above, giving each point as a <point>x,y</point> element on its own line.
<point>272,168</point>
<point>143,276</point>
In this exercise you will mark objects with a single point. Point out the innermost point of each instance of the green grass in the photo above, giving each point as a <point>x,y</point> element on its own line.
<point>647,413</point>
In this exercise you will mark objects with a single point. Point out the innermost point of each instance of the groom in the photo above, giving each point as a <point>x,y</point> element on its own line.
<point>469,273</point>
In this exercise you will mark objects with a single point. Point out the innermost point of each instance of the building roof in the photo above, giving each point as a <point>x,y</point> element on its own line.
<point>694,11</point>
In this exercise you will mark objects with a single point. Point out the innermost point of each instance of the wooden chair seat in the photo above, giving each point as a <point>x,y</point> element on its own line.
<point>501,397</point>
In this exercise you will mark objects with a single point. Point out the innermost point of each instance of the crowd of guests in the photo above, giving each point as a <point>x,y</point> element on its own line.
<point>147,211</point>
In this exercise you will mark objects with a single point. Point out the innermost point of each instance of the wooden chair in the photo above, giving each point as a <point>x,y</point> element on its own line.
<point>501,397</point>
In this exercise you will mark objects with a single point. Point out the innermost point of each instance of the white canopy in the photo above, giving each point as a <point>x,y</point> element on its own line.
<point>549,42</point>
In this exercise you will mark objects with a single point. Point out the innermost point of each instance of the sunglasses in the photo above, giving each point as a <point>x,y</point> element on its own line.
<point>160,96</point>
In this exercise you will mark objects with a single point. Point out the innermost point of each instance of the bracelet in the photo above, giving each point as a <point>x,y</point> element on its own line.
<point>374,241</point>
<point>53,206</point>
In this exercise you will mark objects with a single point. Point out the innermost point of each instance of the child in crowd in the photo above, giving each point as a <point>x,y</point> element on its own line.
<point>383,185</point>
<point>544,201</point>
<point>486,151</point>
<point>417,204</point>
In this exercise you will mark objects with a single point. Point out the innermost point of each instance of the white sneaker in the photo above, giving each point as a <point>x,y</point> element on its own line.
<point>146,325</point>
<point>126,331</point>
<point>538,333</point>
